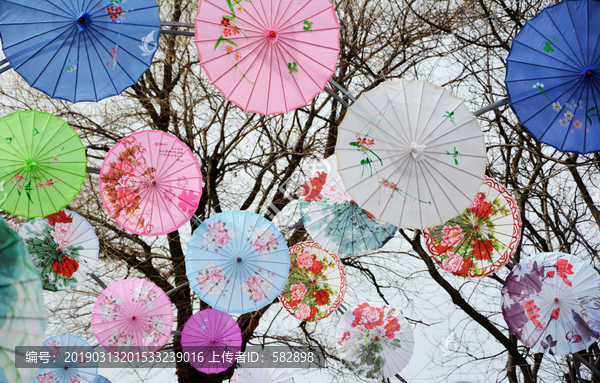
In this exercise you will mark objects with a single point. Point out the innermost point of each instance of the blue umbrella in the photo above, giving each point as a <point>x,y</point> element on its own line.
<point>553,79</point>
<point>79,50</point>
<point>101,379</point>
<point>237,262</point>
<point>61,366</point>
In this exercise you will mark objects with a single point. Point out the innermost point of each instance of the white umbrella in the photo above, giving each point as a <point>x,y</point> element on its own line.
<point>374,340</point>
<point>411,154</point>
<point>64,248</point>
<point>261,375</point>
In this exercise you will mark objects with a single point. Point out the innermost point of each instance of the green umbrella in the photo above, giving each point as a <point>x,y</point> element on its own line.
<point>42,164</point>
<point>22,319</point>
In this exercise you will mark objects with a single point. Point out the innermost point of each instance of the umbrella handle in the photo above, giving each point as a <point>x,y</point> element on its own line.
<point>98,280</point>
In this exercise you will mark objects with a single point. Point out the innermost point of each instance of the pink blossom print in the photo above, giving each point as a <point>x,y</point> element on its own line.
<point>62,234</point>
<point>119,338</point>
<point>452,235</point>
<point>46,377</point>
<point>257,286</point>
<point>144,296</point>
<point>189,201</point>
<point>303,312</point>
<point>334,191</point>
<point>298,291</point>
<point>218,235</point>
<point>453,263</point>
<point>264,242</point>
<point>305,259</point>
<point>211,280</point>
<point>154,330</point>
<point>110,307</point>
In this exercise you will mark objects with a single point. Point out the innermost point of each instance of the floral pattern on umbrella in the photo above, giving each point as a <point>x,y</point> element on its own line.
<point>369,335</point>
<point>64,248</point>
<point>316,284</point>
<point>150,183</point>
<point>334,221</point>
<point>480,240</point>
<point>233,251</point>
<point>551,303</point>
<point>132,312</point>
<point>67,363</point>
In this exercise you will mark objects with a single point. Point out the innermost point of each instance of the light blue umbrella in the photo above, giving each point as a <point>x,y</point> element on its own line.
<point>61,365</point>
<point>237,262</point>
<point>80,50</point>
<point>101,379</point>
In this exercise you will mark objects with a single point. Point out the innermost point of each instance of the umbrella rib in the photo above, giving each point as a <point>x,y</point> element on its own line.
<point>456,188</point>
<point>295,12</point>
<point>576,35</point>
<point>277,22</point>
<point>405,166</point>
<point>284,42</point>
<point>262,51</point>
<point>479,136</point>
<point>98,27</point>
<point>38,10</point>
<point>66,27</point>
<point>574,76</point>
<point>248,31</point>
<point>329,8</point>
<point>62,71</point>
<point>401,131</point>
<point>280,49</point>
<point>91,28</point>
<point>370,122</point>
<point>470,119</point>
<point>53,56</point>
<point>90,8</point>
<point>573,68</point>
<point>536,95</point>
<point>576,72</point>
<point>279,65</point>
<point>59,130</point>
<point>442,91</point>
<point>262,22</point>
<point>568,128</point>
<point>258,27</point>
<point>103,67</point>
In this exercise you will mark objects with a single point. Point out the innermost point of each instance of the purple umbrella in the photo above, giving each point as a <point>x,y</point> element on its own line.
<point>212,339</point>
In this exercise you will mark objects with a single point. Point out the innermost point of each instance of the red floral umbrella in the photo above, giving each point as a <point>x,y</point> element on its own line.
<point>480,240</point>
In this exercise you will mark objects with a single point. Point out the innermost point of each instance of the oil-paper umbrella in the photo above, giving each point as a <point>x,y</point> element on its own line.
<point>237,262</point>
<point>553,76</point>
<point>550,302</point>
<point>42,164</point>
<point>316,284</point>
<point>64,248</point>
<point>411,154</point>
<point>132,312</point>
<point>480,240</point>
<point>150,183</point>
<point>79,50</point>
<point>334,221</point>
<point>101,379</point>
<point>211,332</point>
<point>65,365</point>
<point>374,340</point>
<point>268,57</point>
<point>22,318</point>
<point>261,375</point>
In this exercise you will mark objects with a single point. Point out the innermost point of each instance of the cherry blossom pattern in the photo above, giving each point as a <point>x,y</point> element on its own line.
<point>212,280</point>
<point>257,286</point>
<point>110,308</point>
<point>218,235</point>
<point>263,241</point>
<point>144,296</point>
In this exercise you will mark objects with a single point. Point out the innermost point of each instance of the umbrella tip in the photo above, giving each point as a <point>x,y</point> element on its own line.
<point>555,299</point>
<point>588,73</point>
<point>153,182</point>
<point>239,259</point>
<point>133,317</point>
<point>272,34</point>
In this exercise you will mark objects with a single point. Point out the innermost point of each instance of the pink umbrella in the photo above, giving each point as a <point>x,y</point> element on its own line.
<point>211,335</point>
<point>132,312</point>
<point>268,56</point>
<point>150,183</point>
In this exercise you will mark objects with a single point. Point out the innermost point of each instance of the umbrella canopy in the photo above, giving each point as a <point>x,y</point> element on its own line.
<point>549,302</point>
<point>100,379</point>
<point>412,154</point>
<point>150,183</point>
<point>132,312</point>
<point>553,76</point>
<point>237,262</point>
<point>268,57</point>
<point>480,240</point>
<point>62,367</point>
<point>374,340</point>
<point>22,318</point>
<point>43,164</point>
<point>334,221</point>
<point>316,284</point>
<point>261,375</point>
<point>64,248</point>
<point>210,332</point>
<point>79,50</point>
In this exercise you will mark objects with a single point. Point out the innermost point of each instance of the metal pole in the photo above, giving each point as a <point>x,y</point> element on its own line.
<point>177,288</point>
<point>493,106</point>
<point>92,170</point>
<point>176,24</point>
<point>297,224</point>
<point>348,94</point>
<point>594,370</point>
<point>98,280</point>
<point>181,33</point>
<point>400,378</point>
<point>338,98</point>
<point>4,69</point>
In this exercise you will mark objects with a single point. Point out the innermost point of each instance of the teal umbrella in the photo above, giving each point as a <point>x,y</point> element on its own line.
<point>22,319</point>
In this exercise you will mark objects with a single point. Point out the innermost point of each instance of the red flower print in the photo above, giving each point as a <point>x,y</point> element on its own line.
<point>311,189</point>
<point>551,274</point>
<point>369,215</point>
<point>50,182</point>
<point>391,327</point>
<point>293,303</point>
<point>367,316</point>
<point>66,267</point>
<point>466,266</point>
<point>555,313</point>
<point>225,22</point>
<point>532,313</point>
<point>313,313</point>
<point>482,249</point>
<point>564,269</point>
<point>322,297</point>
<point>480,207</point>
<point>60,217</point>
<point>345,336</point>
<point>317,266</point>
